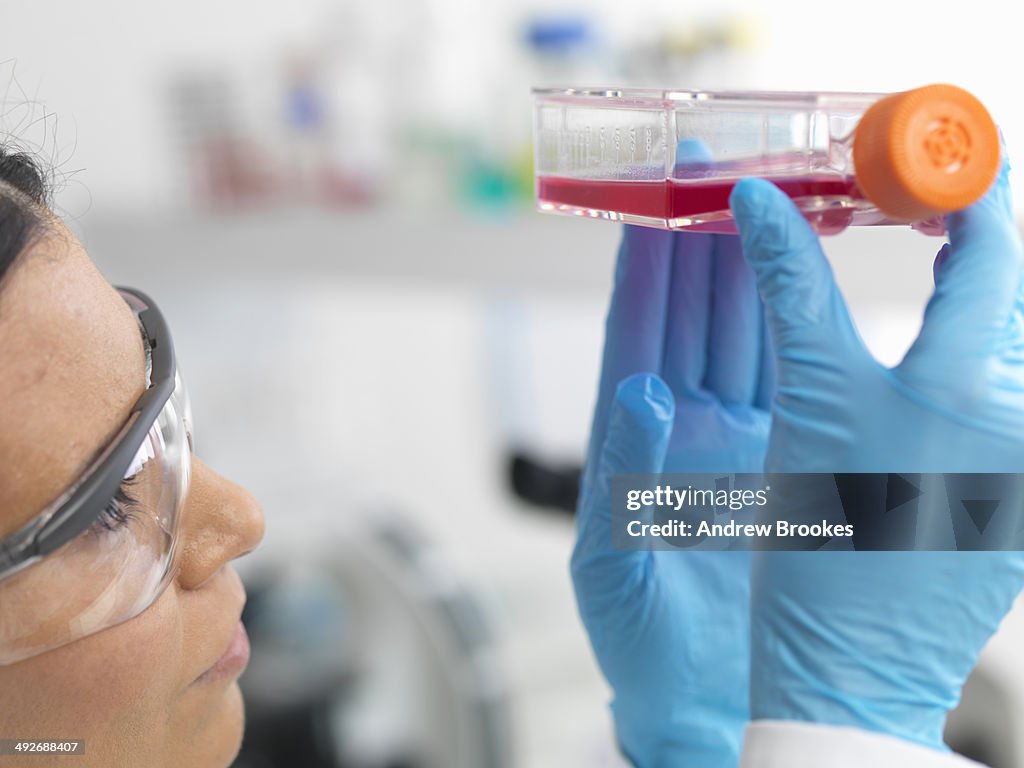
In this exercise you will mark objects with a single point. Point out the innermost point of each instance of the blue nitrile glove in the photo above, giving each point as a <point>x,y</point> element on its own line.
<point>883,641</point>
<point>670,629</point>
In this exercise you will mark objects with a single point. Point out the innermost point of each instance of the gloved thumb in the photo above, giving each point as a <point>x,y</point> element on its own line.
<point>803,306</point>
<point>978,277</point>
<point>639,429</point>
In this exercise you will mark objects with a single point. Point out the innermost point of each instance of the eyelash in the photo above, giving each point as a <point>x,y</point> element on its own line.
<point>120,510</point>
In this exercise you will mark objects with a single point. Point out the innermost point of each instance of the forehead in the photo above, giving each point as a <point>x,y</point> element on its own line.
<point>73,365</point>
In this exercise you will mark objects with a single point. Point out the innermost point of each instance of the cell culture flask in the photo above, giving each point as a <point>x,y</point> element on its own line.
<point>669,159</point>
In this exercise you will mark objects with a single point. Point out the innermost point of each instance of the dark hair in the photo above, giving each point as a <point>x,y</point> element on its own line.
<point>24,197</point>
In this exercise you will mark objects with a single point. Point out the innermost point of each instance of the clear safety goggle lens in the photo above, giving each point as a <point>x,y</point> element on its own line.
<point>120,565</point>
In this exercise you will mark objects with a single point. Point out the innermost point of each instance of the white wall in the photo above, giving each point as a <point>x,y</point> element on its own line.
<point>99,65</point>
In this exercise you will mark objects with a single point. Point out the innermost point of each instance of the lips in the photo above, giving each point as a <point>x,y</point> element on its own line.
<point>232,662</point>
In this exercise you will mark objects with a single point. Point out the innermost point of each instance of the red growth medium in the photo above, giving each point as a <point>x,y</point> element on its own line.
<point>674,200</point>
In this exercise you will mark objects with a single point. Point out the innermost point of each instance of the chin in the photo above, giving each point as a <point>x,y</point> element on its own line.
<point>233,727</point>
<point>217,743</point>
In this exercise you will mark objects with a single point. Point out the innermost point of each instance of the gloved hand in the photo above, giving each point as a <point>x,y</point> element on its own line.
<point>670,629</point>
<point>884,641</point>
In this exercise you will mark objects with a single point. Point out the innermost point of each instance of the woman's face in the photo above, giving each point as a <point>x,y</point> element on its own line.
<point>73,366</point>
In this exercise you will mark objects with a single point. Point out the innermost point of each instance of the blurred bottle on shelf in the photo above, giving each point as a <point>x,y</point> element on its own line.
<point>565,50</point>
<point>497,163</point>
<point>416,105</point>
<point>224,168</point>
<point>317,173</point>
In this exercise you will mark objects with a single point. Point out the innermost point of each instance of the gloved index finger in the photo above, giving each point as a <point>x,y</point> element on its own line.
<point>688,314</point>
<point>693,159</point>
<point>736,323</point>
<point>635,326</point>
<point>688,319</point>
<point>636,329</point>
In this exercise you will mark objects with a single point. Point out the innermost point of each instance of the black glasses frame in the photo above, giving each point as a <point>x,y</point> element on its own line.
<point>79,507</point>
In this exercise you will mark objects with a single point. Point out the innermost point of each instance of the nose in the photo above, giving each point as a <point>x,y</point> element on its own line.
<point>221,521</point>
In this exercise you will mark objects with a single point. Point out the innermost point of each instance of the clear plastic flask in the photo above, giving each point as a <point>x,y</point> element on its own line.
<point>669,159</point>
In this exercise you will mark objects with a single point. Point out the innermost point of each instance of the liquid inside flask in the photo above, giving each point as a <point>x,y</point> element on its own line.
<point>669,159</point>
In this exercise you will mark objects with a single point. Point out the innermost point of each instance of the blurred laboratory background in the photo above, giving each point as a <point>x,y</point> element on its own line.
<point>332,202</point>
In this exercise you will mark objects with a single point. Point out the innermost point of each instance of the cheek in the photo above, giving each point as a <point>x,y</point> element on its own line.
<point>125,680</point>
<point>102,578</point>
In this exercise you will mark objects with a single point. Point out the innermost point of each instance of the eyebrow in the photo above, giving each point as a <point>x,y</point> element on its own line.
<point>147,350</point>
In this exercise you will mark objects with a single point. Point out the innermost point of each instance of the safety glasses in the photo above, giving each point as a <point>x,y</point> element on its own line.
<point>103,551</point>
